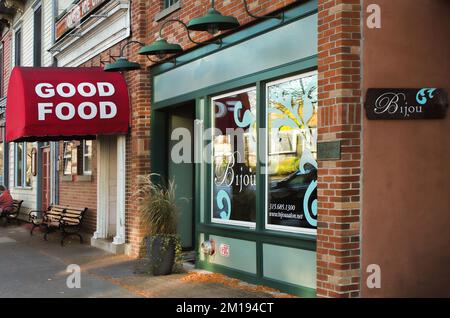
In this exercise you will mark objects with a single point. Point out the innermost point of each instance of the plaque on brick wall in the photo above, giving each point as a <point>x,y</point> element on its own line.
<point>406,103</point>
<point>329,150</point>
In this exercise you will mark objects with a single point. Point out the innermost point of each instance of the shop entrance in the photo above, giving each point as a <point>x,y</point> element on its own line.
<point>182,119</point>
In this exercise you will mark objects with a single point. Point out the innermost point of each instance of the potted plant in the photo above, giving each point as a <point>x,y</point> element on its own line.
<point>160,217</point>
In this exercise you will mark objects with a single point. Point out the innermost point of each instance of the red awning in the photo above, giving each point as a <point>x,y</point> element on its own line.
<point>64,103</point>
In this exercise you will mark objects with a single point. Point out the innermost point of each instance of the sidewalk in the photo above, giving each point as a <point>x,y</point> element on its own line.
<point>32,267</point>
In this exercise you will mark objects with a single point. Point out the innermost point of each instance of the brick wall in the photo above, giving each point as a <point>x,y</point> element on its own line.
<point>339,182</point>
<point>80,191</point>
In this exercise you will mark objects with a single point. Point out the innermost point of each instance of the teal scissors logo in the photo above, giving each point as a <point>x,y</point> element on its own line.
<point>424,94</point>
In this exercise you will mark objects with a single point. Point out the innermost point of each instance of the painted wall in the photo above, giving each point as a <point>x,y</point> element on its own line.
<point>6,71</point>
<point>25,21</point>
<point>406,201</point>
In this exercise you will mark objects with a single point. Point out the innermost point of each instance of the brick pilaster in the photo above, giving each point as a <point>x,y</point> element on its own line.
<point>339,182</point>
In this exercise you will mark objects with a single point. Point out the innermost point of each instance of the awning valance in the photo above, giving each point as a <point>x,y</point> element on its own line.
<point>64,103</point>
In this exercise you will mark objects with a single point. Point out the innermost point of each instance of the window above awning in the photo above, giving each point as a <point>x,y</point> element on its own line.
<point>64,103</point>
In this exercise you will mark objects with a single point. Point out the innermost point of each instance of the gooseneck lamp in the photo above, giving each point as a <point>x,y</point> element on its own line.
<point>122,64</point>
<point>213,21</point>
<point>247,10</point>
<point>162,47</point>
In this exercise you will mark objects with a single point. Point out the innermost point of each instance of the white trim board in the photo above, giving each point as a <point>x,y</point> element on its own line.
<point>96,35</point>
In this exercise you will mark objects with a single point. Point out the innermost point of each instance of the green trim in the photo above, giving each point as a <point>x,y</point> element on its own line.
<point>305,64</point>
<point>159,158</point>
<point>260,196</point>
<point>298,11</point>
<point>300,241</point>
<point>301,291</point>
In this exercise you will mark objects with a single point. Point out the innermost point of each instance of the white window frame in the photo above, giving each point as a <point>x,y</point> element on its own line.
<point>85,155</point>
<point>173,2</point>
<point>250,225</point>
<point>24,166</point>
<point>281,228</point>
<point>64,157</point>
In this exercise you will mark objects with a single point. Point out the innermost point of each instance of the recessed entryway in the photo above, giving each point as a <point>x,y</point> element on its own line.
<point>182,173</point>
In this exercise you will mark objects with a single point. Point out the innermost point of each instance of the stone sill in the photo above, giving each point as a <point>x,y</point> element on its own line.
<point>84,178</point>
<point>66,178</point>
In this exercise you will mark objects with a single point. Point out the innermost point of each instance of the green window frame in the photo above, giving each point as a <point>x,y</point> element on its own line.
<point>247,224</point>
<point>305,133</point>
<point>261,224</point>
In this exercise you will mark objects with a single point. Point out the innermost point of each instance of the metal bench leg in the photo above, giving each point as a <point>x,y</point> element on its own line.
<point>47,231</point>
<point>81,238</point>
<point>32,229</point>
<point>64,234</point>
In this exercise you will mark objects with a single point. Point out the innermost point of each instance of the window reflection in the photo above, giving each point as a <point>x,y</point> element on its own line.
<point>234,158</point>
<point>292,153</point>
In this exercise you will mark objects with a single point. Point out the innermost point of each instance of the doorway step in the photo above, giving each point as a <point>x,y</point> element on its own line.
<point>108,246</point>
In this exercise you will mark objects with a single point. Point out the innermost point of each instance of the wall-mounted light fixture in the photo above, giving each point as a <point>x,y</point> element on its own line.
<point>213,22</point>
<point>122,64</point>
<point>161,47</point>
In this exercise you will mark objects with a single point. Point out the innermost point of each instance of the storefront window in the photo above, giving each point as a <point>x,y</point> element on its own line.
<point>23,164</point>
<point>87,157</point>
<point>292,154</point>
<point>67,158</point>
<point>28,166</point>
<point>19,164</point>
<point>234,158</point>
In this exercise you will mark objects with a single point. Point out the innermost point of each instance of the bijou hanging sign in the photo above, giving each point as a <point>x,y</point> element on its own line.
<point>406,103</point>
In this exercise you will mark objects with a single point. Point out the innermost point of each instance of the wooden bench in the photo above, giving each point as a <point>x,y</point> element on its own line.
<point>12,213</point>
<point>57,217</point>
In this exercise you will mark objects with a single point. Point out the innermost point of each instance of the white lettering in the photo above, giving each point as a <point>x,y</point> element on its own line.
<point>44,90</point>
<point>59,113</point>
<point>104,106</point>
<point>82,112</point>
<point>60,89</point>
<point>105,89</point>
<point>92,90</point>
<point>43,108</point>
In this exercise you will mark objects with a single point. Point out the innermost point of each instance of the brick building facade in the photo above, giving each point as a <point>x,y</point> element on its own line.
<point>339,183</point>
<point>331,45</point>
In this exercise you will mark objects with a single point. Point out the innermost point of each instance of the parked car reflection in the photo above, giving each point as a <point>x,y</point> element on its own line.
<point>286,198</point>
